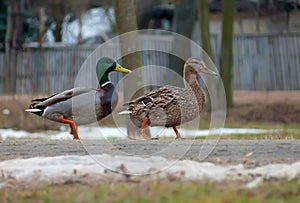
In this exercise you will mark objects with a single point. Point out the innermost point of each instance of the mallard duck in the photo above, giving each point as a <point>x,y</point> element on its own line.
<point>72,106</point>
<point>171,106</point>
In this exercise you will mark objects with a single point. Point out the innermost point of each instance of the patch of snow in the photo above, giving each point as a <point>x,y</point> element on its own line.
<point>55,169</point>
<point>94,132</point>
<point>10,133</point>
<point>254,183</point>
<point>6,112</point>
<point>84,132</point>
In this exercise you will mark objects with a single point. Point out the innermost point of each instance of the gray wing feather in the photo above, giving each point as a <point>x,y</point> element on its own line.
<point>80,107</point>
<point>65,95</point>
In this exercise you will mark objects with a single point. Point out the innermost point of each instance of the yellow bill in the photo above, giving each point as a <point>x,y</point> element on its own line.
<point>119,68</point>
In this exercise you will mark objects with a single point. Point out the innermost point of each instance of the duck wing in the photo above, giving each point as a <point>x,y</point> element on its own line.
<point>160,106</point>
<point>79,104</point>
<point>56,98</point>
<point>162,97</point>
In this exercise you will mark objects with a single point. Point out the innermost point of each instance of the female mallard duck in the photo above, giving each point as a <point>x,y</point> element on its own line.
<point>71,106</point>
<point>171,106</point>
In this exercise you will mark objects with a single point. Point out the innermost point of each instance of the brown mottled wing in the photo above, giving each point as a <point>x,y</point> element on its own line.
<point>160,98</point>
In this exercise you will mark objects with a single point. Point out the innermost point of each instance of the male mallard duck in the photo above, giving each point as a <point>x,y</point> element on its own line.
<point>69,106</point>
<point>170,106</point>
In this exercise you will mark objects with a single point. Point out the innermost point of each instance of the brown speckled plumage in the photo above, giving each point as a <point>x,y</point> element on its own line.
<point>171,106</point>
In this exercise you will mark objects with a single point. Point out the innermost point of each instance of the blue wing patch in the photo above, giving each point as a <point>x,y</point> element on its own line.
<point>147,100</point>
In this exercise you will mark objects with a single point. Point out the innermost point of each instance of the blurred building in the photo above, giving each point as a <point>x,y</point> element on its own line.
<point>250,16</point>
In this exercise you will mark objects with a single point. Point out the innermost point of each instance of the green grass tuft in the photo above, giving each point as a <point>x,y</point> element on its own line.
<point>161,191</point>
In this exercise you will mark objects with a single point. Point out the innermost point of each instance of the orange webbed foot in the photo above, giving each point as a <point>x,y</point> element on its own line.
<point>73,127</point>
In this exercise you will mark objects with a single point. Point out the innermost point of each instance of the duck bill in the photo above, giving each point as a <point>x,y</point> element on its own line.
<point>119,68</point>
<point>210,72</point>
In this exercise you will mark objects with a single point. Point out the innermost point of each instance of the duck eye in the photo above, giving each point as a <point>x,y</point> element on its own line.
<point>112,65</point>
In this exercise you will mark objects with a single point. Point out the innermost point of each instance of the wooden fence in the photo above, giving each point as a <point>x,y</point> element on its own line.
<point>267,62</point>
<point>261,62</point>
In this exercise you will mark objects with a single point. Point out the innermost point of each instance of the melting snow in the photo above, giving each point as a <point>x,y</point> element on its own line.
<point>56,169</point>
<point>95,132</point>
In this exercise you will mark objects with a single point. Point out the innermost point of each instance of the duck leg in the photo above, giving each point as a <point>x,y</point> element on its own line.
<point>178,136</point>
<point>144,125</point>
<point>72,125</point>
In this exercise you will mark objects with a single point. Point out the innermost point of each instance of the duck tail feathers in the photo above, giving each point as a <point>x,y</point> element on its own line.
<point>125,112</point>
<point>33,110</point>
<point>39,110</point>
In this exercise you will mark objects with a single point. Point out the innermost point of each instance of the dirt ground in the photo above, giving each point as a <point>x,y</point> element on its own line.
<point>250,153</point>
<point>277,107</point>
<point>261,107</point>
<point>280,107</point>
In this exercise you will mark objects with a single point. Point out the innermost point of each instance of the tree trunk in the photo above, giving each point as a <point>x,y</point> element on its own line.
<point>8,49</point>
<point>226,59</point>
<point>184,17</point>
<point>13,43</point>
<point>41,27</point>
<point>126,22</point>
<point>58,30</point>
<point>80,35</point>
<point>203,16</point>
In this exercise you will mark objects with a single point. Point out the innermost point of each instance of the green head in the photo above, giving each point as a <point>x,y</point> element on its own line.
<point>106,65</point>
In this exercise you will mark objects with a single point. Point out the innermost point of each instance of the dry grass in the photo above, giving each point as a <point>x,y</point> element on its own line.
<point>162,191</point>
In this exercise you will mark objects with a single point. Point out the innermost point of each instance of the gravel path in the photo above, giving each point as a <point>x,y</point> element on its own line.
<point>251,153</point>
